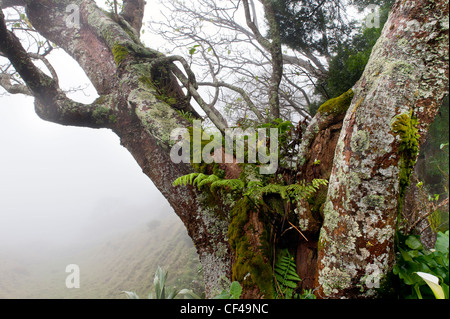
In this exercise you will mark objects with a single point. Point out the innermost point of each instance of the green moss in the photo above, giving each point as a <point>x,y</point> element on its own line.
<point>338,105</point>
<point>101,100</point>
<point>120,53</point>
<point>147,81</point>
<point>251,268</point>
<point>405,127</point>
<point>113,118</point>
<point>166,99</point>
<point>102,116</point>
<point>239,217</point>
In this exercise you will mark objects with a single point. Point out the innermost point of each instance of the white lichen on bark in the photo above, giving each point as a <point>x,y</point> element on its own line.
<point>361,207</point>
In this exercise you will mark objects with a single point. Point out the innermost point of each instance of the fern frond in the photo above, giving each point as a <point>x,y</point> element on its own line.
<point>317,182</point>
<point>228,184</point>
<point>185,179</point>
<point>208,180</point>
<point>303,190</point>
<point>286,276</point>
<point>258,192</point>
<point>199,178</point>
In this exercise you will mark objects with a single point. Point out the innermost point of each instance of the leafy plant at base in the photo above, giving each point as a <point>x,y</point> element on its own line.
<point>161,292</point>
<point>286,278</point>
<point>234,292</point>
<point>412,258</point>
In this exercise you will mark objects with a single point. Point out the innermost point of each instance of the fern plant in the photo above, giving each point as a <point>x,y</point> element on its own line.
<point>254,189</point>
<point>214,181</point>
<point>291,192</point>
<point>286,279</point>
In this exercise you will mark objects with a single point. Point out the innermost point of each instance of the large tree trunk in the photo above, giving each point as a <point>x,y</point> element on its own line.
<point>406,77</point>
<point>139,99</point>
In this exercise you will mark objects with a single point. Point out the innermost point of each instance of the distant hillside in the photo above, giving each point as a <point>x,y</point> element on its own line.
<point>126,262</point>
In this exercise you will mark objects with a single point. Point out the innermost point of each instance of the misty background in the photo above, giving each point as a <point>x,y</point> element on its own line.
<point>63,185</point>
<point>65,191</point>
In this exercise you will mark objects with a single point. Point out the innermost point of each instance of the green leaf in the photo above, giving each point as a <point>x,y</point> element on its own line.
<point>445,288</point>
<point>193,49</point>
<point>209,180</point>
<point>414,243</point>
<point>228,184</point>
<point>223,295</point>
<point>235,290</point>
<point>172,294</point>
<point>442,243</point>
<point>183,180</point>
<point>286,275</point>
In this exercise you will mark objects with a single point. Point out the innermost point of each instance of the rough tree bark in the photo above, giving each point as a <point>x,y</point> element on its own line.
<point>406,77</point>
<point>140,96</point>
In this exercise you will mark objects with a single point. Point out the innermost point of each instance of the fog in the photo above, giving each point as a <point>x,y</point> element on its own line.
<point>63,185</point>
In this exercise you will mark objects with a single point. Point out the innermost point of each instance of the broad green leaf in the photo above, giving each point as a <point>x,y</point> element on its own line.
<point>235,290</point>
<point>414,243</point>
<point>442,242</point>
<point>223,295</point>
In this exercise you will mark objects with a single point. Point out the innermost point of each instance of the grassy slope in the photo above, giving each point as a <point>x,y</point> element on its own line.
<point>127,262</point>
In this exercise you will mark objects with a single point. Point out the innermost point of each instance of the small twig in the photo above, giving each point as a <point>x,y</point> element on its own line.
<point>298,231</point>
<point>47,64</point>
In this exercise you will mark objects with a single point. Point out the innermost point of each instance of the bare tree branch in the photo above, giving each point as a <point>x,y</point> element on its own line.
<point>241,92</point>
<point>51,103</point>
<point>274,47</point>
<point>47,64</point>
<point>6,83</point>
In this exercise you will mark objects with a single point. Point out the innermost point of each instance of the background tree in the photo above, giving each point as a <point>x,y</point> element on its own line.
<point>366,140</point>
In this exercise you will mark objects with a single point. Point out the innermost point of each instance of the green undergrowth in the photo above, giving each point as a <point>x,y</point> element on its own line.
<point>413,257</point>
